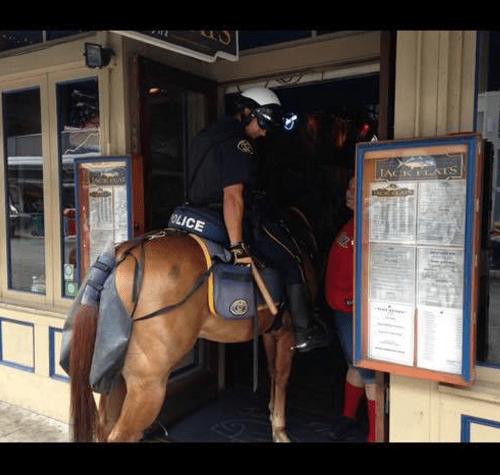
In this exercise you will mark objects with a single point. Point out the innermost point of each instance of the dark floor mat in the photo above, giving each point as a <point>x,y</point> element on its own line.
<point>240,416</point>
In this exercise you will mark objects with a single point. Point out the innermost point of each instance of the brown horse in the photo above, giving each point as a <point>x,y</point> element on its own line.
<point>173,265</point>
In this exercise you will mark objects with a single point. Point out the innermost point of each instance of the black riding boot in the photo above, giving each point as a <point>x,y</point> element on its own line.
<point>309,333</point>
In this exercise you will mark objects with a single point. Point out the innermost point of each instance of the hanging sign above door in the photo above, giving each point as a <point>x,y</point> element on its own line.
<point>206,45</point>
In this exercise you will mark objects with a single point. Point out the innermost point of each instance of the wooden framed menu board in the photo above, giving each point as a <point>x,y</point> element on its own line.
<point>104,206</point>
<point>416,256</point>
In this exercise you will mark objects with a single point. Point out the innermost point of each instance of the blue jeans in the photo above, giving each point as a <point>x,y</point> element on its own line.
<point>343,323</point>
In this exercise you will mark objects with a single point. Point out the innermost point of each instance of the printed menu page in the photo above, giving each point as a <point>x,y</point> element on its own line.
<point>416,260</point>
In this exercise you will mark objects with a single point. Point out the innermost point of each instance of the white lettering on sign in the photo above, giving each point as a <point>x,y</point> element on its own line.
<point>190,223</point>
<point>223,37</point>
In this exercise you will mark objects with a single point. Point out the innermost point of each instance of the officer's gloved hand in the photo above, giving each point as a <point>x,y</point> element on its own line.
<point>241,254</point>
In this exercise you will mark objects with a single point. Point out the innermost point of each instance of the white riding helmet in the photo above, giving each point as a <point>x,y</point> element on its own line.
<point>264,105</point>
<point>262,96</point>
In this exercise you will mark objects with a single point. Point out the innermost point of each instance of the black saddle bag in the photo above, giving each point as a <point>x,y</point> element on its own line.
<point>234,291</point>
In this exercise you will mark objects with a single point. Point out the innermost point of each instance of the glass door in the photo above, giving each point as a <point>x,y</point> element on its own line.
<point>175,106</point>
<point>166,159</point>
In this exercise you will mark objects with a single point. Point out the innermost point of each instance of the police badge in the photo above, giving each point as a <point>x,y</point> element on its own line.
<point>245,146</point>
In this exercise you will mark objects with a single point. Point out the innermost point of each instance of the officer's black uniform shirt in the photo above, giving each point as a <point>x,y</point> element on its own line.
<point>221,155</point>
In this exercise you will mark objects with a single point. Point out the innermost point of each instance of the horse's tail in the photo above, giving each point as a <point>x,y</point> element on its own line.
<point>83,407</point>
<point>84,331</point>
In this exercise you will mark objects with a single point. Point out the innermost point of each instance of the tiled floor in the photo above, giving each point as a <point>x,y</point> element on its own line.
<point>20,425</point>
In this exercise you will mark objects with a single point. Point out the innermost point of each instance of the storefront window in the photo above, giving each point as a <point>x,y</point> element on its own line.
<point>79,136</point>
<point>24,185</point>
<point>13,39</point>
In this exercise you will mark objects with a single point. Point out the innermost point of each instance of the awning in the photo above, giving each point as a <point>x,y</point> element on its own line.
<point>205,45</point>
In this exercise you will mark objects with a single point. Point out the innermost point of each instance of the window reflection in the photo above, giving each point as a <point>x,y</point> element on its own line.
<point>79,136</point>
<point>24,166</point>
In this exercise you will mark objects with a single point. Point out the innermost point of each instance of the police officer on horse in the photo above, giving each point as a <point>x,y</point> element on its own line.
<point>222,176</point>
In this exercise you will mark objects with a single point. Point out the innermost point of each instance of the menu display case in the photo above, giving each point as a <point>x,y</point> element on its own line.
<point>416,256</point>
<point>104,206</point>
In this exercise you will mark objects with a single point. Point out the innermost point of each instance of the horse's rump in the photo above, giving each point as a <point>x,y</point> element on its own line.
<point>231,294</point>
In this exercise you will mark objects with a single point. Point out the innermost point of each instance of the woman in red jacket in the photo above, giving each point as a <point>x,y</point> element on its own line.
<point>339,281</point>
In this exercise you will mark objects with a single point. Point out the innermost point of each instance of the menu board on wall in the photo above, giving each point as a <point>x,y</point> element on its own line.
<point>416,245</point>
<point>104,204</point>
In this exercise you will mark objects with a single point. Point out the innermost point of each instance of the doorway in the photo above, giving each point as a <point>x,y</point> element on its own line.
<point>310,167</point>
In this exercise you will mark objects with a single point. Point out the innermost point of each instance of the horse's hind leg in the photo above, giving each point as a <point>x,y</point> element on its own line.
<point>280,358</point>
<point>109,409</point>
<point>141,406</point>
